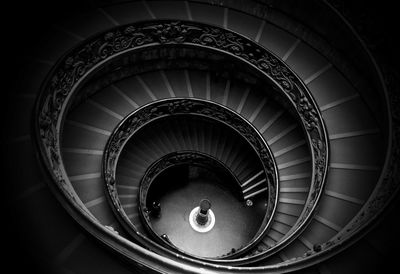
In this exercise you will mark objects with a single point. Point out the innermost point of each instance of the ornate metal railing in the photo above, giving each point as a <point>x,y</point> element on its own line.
<point>157,110</point>
<point>65,80</point>
<point>191,158</point>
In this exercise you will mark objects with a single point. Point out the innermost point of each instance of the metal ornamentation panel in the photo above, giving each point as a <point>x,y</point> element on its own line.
<point>81,63</point>
<point>193,158</point>
<point>134,121</point>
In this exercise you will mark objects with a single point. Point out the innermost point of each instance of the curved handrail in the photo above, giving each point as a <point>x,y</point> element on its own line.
<point>75,67</point>
<point>156,110</point>
<point>195,158</point>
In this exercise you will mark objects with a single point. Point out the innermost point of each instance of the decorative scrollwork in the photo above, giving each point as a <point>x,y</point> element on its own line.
<point>193,158</point>
<point>81,63</point>
<point>178,106</point>
<point>216,37</point>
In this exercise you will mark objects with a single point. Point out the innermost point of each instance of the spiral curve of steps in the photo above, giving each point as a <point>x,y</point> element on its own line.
<point>353,116</point>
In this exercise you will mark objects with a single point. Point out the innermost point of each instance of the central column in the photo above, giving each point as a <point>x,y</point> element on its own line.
<point>202,215</point>
<point>201,218</point>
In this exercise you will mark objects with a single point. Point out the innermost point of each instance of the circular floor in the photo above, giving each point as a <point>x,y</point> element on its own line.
<point>235,223</point>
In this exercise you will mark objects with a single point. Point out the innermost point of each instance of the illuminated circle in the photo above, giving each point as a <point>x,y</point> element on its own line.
<point>201,228</point>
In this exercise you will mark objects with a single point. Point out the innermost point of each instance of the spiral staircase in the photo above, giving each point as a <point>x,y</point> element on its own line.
<point>283,98</point>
